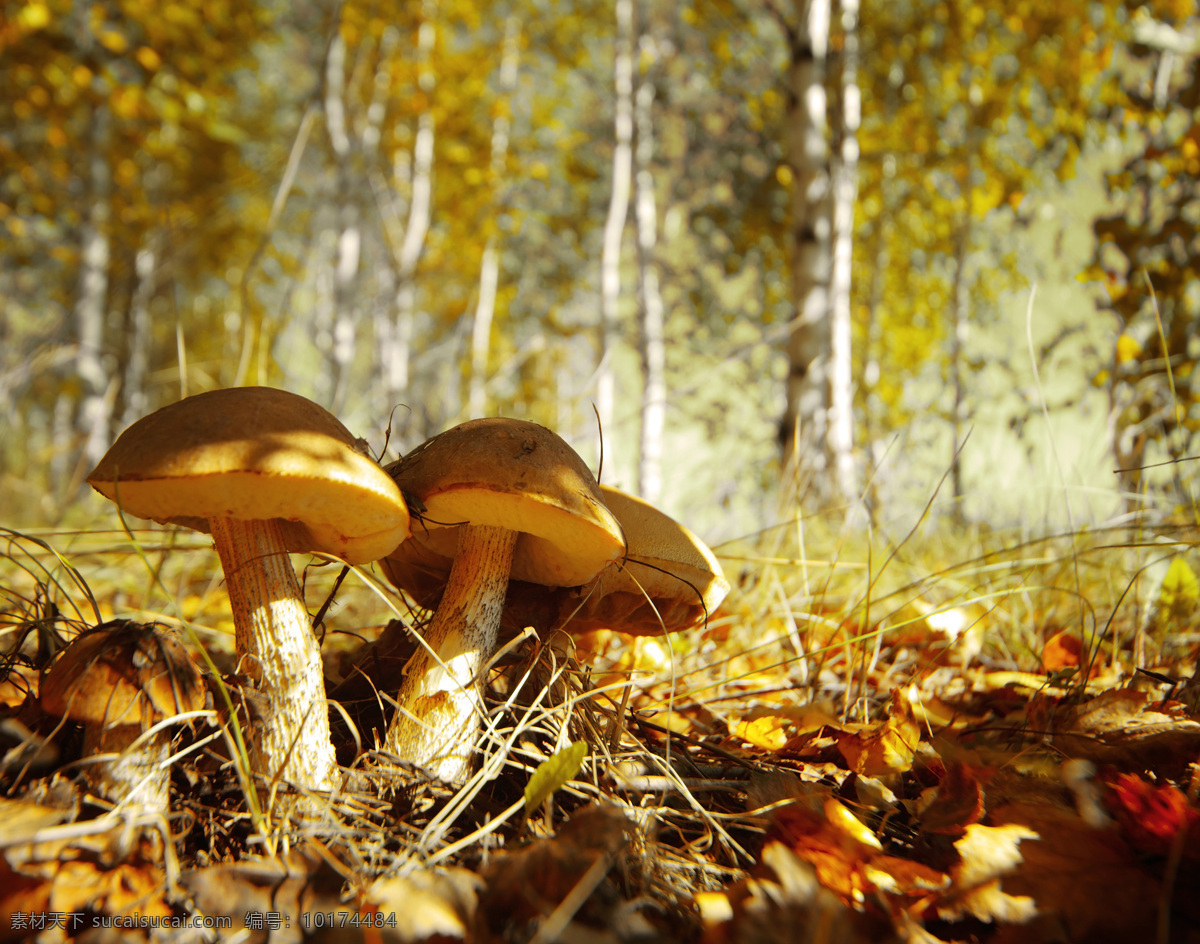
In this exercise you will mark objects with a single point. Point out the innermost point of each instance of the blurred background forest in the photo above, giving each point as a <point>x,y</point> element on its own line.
<point>418,212</point>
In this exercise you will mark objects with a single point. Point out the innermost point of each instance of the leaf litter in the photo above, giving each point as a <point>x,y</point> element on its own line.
<point>1001,748</point>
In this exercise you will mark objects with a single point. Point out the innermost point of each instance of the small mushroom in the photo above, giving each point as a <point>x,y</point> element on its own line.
<point>668,581</point>
<point>119,679</point>
<point>266,472</point>
<point>501,498</point>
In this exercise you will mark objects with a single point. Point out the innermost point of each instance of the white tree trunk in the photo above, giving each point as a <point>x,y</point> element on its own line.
<point>419,211</point>
<point>93,419</point>
<point>349,235</point>
<point>654,385</point>
<point>137,366</point>
<point>614,227</point>
<point>840,443</point>
<point>805,422</point>
<point>489,270</point>
<point>960,304</point>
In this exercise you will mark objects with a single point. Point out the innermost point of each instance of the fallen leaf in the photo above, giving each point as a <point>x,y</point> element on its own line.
<point>956,802</point>
<point>772,728</point>
<point>554,773</point>
<point>1153,815</point>
<point>426,903</point>
<point>1061,651</point>
<point>782,902</point>
<point>1086,882</point>
<point>525,886</point>
<point>889,748</point>
<point>127,888</point>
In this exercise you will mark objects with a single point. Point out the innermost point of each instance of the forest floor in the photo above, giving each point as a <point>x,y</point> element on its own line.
<point>993,739</point>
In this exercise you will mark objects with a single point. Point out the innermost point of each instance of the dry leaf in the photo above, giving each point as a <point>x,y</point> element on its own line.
<point>1086,882</point>
<point>124,889</point>
<point>525,886</point>
<point>889,748</point>
<point>987,853</point>
<point>782,903</point>
<point>1061,651</point>
<point>427,904</point>
<point>772,728</point>
<point>292,888</point>
<point>1153,815</point>
<point>956,802</point>
<point>849,864</point>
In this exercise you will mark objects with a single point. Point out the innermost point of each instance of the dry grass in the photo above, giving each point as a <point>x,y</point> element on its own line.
<point>696,740</point>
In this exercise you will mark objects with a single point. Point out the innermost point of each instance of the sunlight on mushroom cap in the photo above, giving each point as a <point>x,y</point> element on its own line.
<point>515,475</point>
<point>256,453</point>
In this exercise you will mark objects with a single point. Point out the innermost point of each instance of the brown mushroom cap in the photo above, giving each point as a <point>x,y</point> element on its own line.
<point>515,475</point>
<point>665,562</point>
<point>253,453</point>
<point>119,679</point>
<point>669,580</point>
<point>123,674</point>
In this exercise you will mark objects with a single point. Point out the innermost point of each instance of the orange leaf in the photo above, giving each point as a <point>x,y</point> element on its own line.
<point>1152,815</point>
<point>1061,651</point>
<point>957,801</point>
<point>889,748</point>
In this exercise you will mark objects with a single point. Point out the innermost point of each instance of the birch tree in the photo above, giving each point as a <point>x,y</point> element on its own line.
<point>618,208</point>
<point>489,270</point>
<point>348,238</point>
<point>652,341</point>
<point>92,298</point>
<point>845,192</point>
<point>398,352</point>
<point>805,424</point>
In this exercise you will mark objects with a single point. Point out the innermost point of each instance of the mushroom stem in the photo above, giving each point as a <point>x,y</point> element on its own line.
<point>440,703</point>
<point>290,739</point>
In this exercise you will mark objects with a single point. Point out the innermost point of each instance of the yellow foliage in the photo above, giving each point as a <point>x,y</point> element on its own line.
<point>34,16</point>
<point>148,58</point>
<point>113,41</point>
<point>1180,591</point>
<point>1128,348</point>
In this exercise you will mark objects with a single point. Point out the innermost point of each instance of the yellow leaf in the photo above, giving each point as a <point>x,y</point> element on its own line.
<point>1128,348</point>
<point>150,60</point>
<point>769,732</point>
<point>1180,589</point>
<point>988,853</point>
<point>113,41</point>
<point>554,773</point>
<point>850,825</point>
<point>35,16</point>
<point>772,728</point>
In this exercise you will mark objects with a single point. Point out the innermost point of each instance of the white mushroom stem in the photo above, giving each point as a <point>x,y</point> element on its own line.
<point>440,703</point>
<point>134,777</point>
<point>290,738</point>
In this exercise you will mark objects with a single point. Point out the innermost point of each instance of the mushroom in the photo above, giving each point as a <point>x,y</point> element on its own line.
<point>266,472</point>
<point>500,498</point>
<point>119,679</point>
<point>669,580</point>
